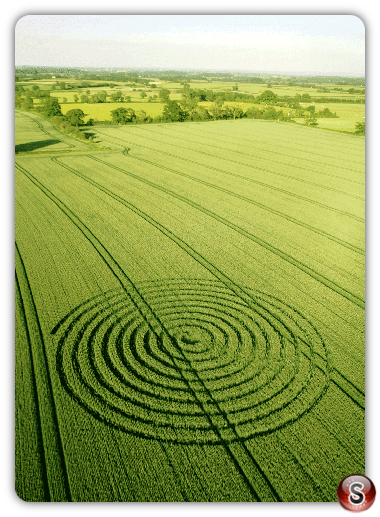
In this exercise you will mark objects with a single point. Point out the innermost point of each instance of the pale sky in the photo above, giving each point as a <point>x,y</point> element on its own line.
<point>321,44</point>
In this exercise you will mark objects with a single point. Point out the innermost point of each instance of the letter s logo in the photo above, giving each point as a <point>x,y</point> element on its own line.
<point>356,496</point>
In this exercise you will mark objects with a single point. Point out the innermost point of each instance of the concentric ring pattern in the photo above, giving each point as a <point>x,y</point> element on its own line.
<point>221,370</point>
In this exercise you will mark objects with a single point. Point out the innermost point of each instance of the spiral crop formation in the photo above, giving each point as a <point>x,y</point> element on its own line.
<point>221,370</point>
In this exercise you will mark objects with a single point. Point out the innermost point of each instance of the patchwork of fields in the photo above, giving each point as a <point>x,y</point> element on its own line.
<point>348,113</point>
<point>103,111</point>
<point>189,313</point>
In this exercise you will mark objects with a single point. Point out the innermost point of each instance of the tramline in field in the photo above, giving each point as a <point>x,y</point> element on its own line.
<point>189,312</point>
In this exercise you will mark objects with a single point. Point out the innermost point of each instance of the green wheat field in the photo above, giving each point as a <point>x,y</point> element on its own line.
<point>189,312</point>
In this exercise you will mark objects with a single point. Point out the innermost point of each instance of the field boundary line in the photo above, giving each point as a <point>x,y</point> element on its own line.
<point>244,198</point>
<point>59,487</point>
<point>269,159</point>
<point>283,141</point>
<point>253,142</point>
<point>39,433</point>
<point>251,180</point>
<point>236,162</point>
<point>316,276</point>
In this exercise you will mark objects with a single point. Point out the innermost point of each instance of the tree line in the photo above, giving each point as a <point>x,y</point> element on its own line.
<point>25,73</point>
<point>188,109</point>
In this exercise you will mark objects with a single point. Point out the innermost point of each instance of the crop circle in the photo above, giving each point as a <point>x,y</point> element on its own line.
<point>221,369</point>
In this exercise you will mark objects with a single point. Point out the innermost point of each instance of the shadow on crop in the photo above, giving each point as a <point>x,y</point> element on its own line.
<point>32,146</point>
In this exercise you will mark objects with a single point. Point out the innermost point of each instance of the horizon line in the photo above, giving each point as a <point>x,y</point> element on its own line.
<point>216,70</point>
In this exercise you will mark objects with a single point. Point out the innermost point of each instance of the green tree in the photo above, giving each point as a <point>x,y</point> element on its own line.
<point>270,113</point>
<point>102,96</point>
<point>75,131</point>
<point>217,109</point>
<point>164,94</point>
<point>141,116</point>
<point>310,119</point>
<point>76,98</point>
<point>189,100</point>
<point>27,103</point>
<point>253,113</point>
<point>50,107</point>
<point>75,117</point>
<point>267,97</point>
<point>59,120</point>
<point>173,111</point>
<point>326,113</point>
<point>237,112</point>
<point>117,97</point>
<point>201,113</point>
<point>360,128</point>
<point>143,95</point>
<point>84,98</point>
<point>123,115</point>
<point>293,103</point>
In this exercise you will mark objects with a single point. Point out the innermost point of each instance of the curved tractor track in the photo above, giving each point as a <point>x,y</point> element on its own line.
<point>43,130</point>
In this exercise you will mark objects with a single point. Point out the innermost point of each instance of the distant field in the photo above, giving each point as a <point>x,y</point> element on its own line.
<point>291,91</point>
<point>244,105</point>
<point>103,111</point>
<point>176,88</point>
<point>153,109</point>
<point>43,85</point>
<point>349,115</point>
<point>346,124</point>
<point>190,315</point>
<point>69,94</point>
